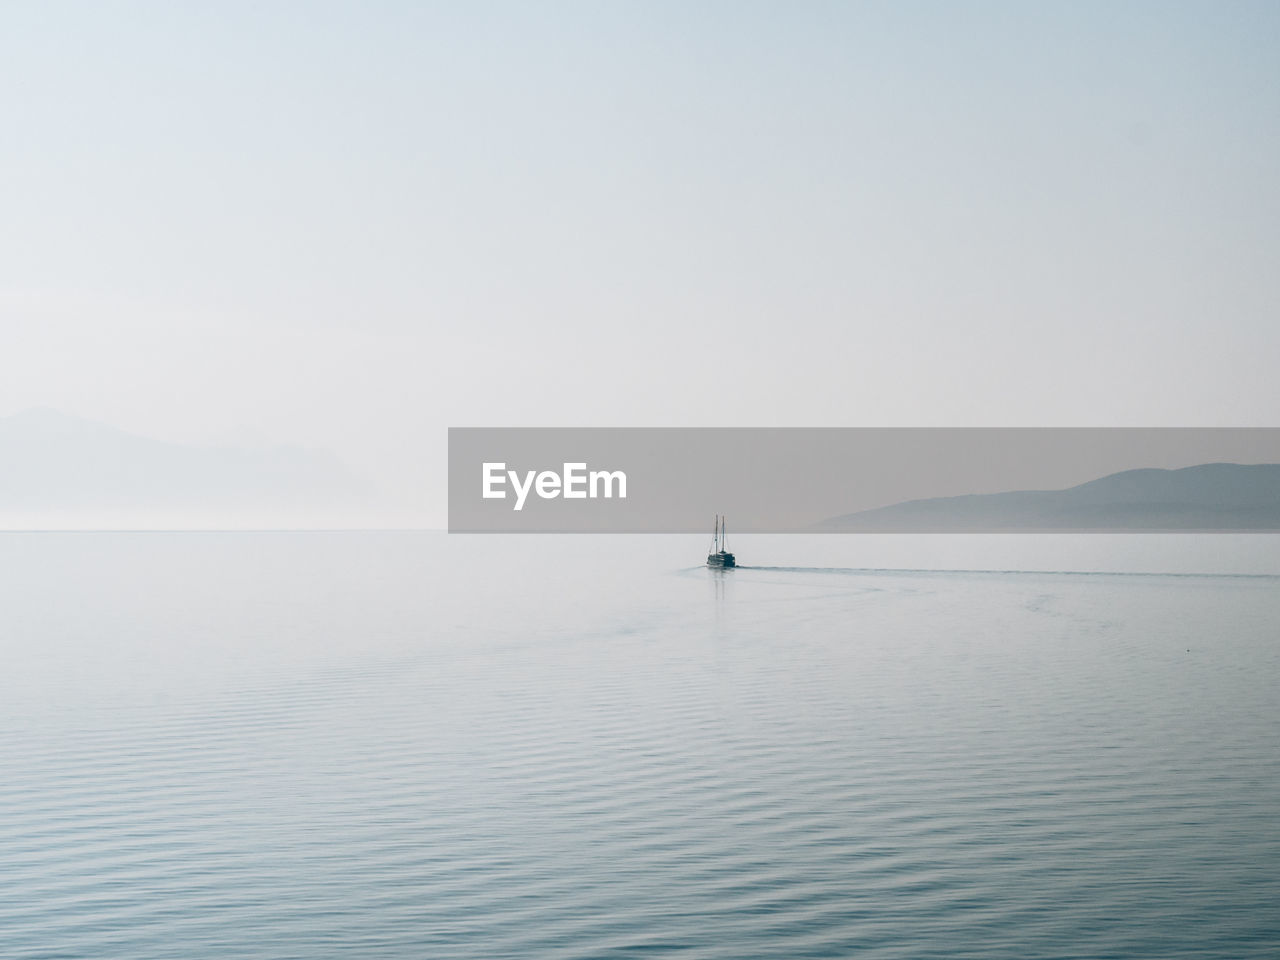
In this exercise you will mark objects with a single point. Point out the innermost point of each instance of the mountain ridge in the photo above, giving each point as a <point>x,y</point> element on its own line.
<point>63,467</point>
<point>1209,496</point>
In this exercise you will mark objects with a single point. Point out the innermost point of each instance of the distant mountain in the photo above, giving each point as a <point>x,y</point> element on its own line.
<point>1211,496</point>
<point>64,470</point>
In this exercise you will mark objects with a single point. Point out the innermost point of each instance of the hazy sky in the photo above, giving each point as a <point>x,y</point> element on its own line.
<point>351,226</point>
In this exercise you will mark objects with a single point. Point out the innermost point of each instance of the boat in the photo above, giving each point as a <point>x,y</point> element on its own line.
<point>720,557</point>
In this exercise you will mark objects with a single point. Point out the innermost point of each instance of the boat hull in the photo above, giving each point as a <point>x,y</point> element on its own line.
<point>721,559</point>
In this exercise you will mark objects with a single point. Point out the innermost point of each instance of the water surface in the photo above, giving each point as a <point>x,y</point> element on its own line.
<point>411,745</point>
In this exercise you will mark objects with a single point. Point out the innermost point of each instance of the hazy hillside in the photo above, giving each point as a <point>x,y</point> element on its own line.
<point>62,470</point>
<point>1211,496</point>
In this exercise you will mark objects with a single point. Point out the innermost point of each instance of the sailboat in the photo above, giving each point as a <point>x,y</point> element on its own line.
<point>720,557</point>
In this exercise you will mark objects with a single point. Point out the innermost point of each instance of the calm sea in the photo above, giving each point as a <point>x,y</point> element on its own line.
<point>407,745</point>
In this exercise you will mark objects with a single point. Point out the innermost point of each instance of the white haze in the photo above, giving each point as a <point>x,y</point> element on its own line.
<point>348,227</point>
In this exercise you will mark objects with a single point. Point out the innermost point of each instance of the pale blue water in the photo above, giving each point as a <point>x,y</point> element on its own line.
<point>416,746</point>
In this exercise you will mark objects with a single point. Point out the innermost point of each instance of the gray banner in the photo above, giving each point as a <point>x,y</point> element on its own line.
<point>800,480</point>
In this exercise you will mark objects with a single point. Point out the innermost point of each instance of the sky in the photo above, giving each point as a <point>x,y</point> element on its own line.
<point>350,226</point>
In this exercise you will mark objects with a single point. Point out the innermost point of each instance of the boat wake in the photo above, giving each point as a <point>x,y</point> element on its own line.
<point>945,571</point>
